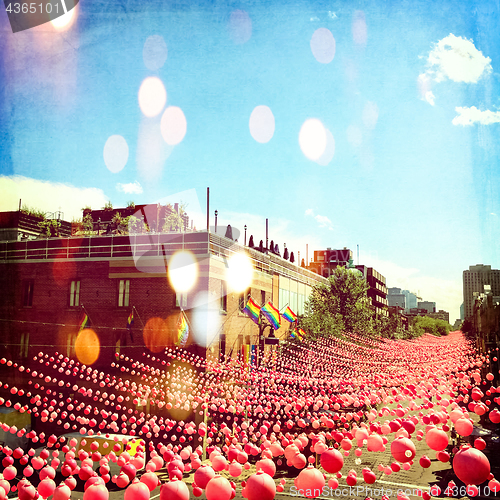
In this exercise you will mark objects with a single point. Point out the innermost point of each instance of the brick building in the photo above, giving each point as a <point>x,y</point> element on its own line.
<point>49,285</point>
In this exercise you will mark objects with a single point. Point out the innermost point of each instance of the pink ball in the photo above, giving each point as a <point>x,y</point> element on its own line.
<point>62,492</point>
<point>332,460</point>
<point>403,449</point>
<point>311,481</point>
<point>137,491</point>
<point>174,490</point>
<point>9,472</point>
<point>260,486</point>
<point>235,469</point>
<point>471,466</point>
<point>266,465</point>
<point>150,479</point>
<point>96,492</point>
<point>464,426</point>
<point>46,487</point>
<point>203,475</point>
<point>218,488</point>
<point>436,439</point>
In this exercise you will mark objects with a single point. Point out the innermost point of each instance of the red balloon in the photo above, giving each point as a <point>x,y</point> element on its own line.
<point>96,492</point>
<point>137,491</point>
<point>403,449</point>
<point>261,486</point>
<point>471,466</point>
<point>174,490</point>
<point>310,482</point>
<point>203,475</point>
<point>218,488</point>
<point>437,439</point>
<point>332,460</point>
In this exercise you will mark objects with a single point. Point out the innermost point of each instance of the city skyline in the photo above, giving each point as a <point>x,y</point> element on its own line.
<point>370,125</point>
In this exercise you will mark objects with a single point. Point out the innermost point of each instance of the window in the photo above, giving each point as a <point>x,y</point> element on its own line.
<point>28,293</point>
<point>181,299</point>
<point>223,296</point>
<point>74,294</point>
<point>24,344</point>
<point>262,297</point>
<point>123,293</point>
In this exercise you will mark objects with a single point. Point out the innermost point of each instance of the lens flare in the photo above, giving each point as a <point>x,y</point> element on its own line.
<point>261,124</point>
<point>157,335</point>
<point>182,271</point>
<point>65,21</point>
<point>154,52</point>
<point>312,139</point>
<point>87,346</point>
<point>323,45</point>
<point>152,96</point>
<point>239,272</point>
<point>115,153</point>
<point>206,318</point>
<point>173,125</point>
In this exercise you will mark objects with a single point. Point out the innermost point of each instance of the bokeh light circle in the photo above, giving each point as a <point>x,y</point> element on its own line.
<point>152,96</point>
<point>239,272</point>
<point>154,52</point>
<point>115,153</point>
<point>329,151</point>
<point>240,26</point>
<point>206,318</point>
<point>262,124</point>
<point>323,45</point>
<point>182,271</point>
<point>312,138</point>
<point>87,346</point>
<point>173,125</point>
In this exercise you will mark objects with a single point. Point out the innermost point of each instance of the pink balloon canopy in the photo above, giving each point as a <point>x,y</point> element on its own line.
<point>312,408</point>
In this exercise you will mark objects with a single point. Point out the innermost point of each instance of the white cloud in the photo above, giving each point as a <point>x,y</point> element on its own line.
<point>469,116</point>
<point>429,97</point>
<point>457,59</point>
<point>322,220</point>
<point>48,196</point>
<point>454,58</point>
<point>130,188</point>
<point>446,293</point>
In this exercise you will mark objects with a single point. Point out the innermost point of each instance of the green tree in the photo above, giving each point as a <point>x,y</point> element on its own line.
<point>88,224</point>
<point>174,220</point>
<point>340,305</point>
<point>49,227</point>
<point>426,324</point>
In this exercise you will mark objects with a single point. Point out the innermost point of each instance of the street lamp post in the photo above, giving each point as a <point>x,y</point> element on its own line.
<point>245,235</point>
<point>216,212</point>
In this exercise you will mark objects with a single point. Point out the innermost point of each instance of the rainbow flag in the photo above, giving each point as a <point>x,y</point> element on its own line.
<point>301,334</point>
<point>130,319</point>
<point>252,310</point>
<point>84,322</point>
<point>272,314</point>
<point>182,330</point>
<point>289,315</point>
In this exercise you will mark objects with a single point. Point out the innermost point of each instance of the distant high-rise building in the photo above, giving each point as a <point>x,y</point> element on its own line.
<point>428,306</point>
<point>411,300</point>
<point>396,298</point>
<point>462,313</point>
<point>444,315</point>
<point>474,281</point>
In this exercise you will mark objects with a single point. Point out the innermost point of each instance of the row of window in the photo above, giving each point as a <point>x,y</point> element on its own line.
<point>74,293</point>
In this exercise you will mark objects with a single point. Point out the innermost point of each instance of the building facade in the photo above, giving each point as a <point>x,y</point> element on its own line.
<point>474,281</point>
<point>410,300</point>
<point>396,298</point>
<point>430,307</point>
<point>49,287</point>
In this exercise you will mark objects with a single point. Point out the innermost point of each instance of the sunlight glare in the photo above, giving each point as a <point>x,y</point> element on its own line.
<point>182,271</point>
<point>312,138</point>
<point>323,45</point>
<point>173,125</point>
<point>262,124</point>
<point>239,272</point>
<point>65,21</point>
<point>152,96</point>
<point>115,153</point>
<point>154,52</point>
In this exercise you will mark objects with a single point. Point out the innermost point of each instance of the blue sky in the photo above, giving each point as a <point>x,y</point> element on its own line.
<point>409,94</point>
